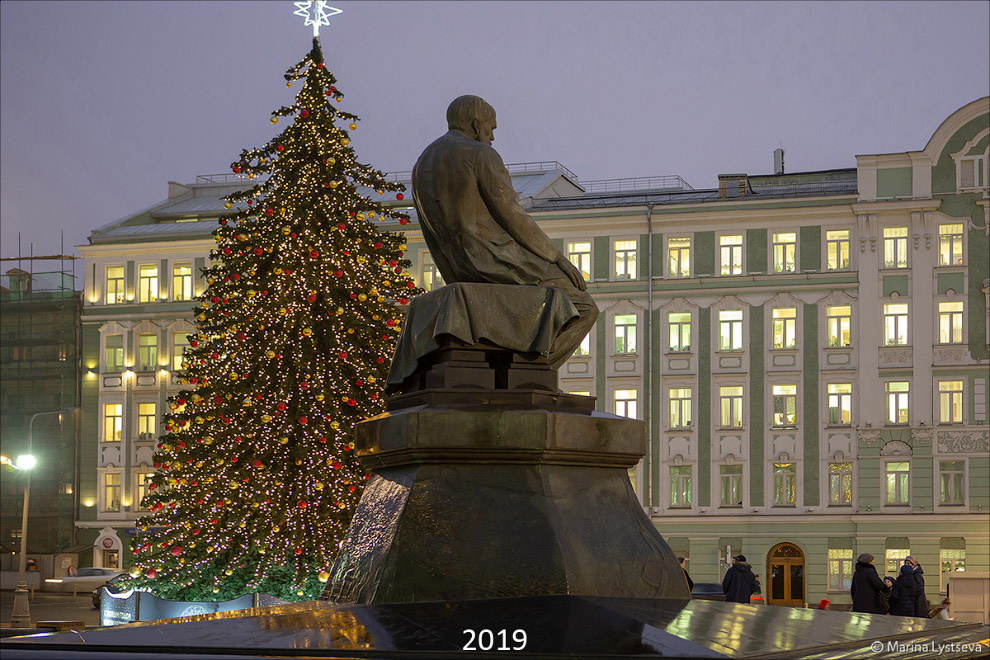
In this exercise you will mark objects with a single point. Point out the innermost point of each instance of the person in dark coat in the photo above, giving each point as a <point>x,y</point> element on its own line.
<point>686,575</point>
<point>904,595</point>
<point>867,586</point>
<point>739,582</point>
<point>921,605</point>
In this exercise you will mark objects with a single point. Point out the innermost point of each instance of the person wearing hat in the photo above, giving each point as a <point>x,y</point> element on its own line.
<point>825,604</point>
<point>904,595</point>
<point>739,582</point>
<point>868,591</point>
<point>921,603</point>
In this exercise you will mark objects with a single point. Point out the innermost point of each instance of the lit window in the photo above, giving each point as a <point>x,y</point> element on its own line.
<point>730,254</point>
<point>951,560</point>
<point>115,285</point>
<point>730,330</point>
<point>785,327</point>
<point>784,405</point>
<point>142,481</point>
<point>679,257</point>
<point>114,355</point>
<point>840,483</point>
<point>895,324</point>
<point>950,245</point>
<point>584,348</point>
<point>625,403</point>
<point>838,324</point>
<point>950,402</point>
<point>896,476</point>
<point>625,259</point>
<point>784,251</point>
<point>579,254</point>
<point>837,249</point>
<point>784,483</point>
<point>839,404</point>
<point>147,416</point>
<point>147,283</point>
<point>840,569</point>
<point>147,352</point>
<point>730,487</point>
<point>680,485</point>
<point>950,322</point>
<point>182,282</point>
<point>731,406</point>
<point>625,333</point>
<point>113,421</point>
<point>895,247</point>
<point>895,559</point>
<point>111,491</point>
<point>898,400</point>
<point>679,327</point>
<point>680,407</point>
<point>180,342</point>
<point>432,279</point>
<point>950,481</point>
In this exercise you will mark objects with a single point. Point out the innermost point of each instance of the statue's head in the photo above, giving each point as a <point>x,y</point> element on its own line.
<point>473,116</point>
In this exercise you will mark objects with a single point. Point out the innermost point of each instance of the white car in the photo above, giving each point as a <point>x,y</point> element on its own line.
<point>85,579</point>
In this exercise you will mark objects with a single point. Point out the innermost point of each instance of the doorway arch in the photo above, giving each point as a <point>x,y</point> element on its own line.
<point>785,575</point>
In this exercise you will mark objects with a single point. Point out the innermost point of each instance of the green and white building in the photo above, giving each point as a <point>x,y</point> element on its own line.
<point>809,352</point>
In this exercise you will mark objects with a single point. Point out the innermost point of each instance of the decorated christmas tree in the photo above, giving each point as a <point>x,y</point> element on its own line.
<point>257,479</point>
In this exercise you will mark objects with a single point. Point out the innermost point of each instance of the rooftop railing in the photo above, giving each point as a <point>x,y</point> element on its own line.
<point>514,168</point>
<point>666,182</point>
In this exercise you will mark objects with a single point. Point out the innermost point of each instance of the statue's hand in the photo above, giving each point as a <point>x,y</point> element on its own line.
<point>573,274</point>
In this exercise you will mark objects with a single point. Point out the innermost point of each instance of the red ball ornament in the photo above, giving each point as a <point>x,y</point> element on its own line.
<point>256,463</point>
<point>314,253</point>
<point>151,573</point>
<point>304,113</point>
<point>353,296</point>
<point>332,88</point>
<point>236,169</point>
<point>351,402</point>
<point>304,420</point>
<point>298,551</point>
<point>403,301</point>
<point>280,406</point>
<point>410,285</point>
<point>279,147</point>
<point>258,251</point>
<point>302,504</point>
<point>176,550</point>
<point>223,222</point>
<point>379,360</point>
<point>399,196</point>
<point>338,273</point>
<point>341,226</point>
<point>269,211</point>
<point>320,65</point>
<point>311,298</point>
<point>336,465</point>
<point>323,440</point>
<point>378,244</point>
<point>403,221</point>
<point>342,355</point>
<point>250,202</point>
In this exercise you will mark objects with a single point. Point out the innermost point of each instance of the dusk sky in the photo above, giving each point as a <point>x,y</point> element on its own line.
<point>103,103</point>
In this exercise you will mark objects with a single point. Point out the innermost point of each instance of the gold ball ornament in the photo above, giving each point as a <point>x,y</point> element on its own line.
<point>323,576</point>
<point>344,142</point>
<point>352,126</point>
<point>274,120</point>
<point>227,205</point>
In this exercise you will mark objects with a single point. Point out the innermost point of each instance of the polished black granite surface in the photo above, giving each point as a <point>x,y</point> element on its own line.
<point>551,627</point>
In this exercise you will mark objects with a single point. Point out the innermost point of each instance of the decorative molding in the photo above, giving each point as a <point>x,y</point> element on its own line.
<point>895,356</point>
<point>869,436</point>
<point>950,354</point>
<point>922,437</point>
<point>896,448</point>
<point>963,442</point>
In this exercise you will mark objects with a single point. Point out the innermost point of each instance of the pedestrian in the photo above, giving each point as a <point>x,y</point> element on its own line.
<point>690,582</point>
<point>904,595</point>
<point>739,582</point>
<point>921,607</point>
<point>868,591</point>
<point>941,611</point>
<point>825,604</point>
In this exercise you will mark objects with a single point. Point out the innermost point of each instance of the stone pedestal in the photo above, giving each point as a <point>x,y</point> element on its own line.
<point>500,493</point>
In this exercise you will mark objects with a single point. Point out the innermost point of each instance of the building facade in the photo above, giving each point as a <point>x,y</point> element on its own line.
<point>808,350</point>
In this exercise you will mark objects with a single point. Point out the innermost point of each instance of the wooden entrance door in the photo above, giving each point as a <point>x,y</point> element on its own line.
<point>785,571</point>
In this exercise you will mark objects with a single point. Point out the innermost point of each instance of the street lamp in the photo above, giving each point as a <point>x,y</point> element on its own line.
<point>21,616</point>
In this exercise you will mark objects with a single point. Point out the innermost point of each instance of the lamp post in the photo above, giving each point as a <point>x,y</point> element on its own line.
<point>21,615</point>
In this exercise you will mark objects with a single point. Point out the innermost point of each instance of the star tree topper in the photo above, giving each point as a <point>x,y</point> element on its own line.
<point>321,14</point>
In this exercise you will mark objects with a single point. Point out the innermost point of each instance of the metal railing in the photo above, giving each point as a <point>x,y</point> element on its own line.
<point>228,178</point>
<point>665,182</point>
<point>514,168</point>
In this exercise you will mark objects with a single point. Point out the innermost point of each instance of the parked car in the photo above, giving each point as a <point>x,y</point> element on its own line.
<point>707,591</point>
<point>85,579</point>
<point>114,585</point>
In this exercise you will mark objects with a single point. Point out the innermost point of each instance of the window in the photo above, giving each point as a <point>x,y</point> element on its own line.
<point>432,279</point>
<point>182,282</point>
<point>898,401</point>
<point>680,407</point>
<point>625,333</point>
<point>895,324</point>
<point>147,416</point>
<point>111,491</point>
<point>679,257</point>
<point>840,569</point>
<point>895,559</point>
<point>180,341</point>
<point>115,285</point>
<point>784,405</point>
<point>837,249</point>
<point>895,247</point>
<point>840,484</point>
<point>839,404</point>
<point>950,322</point>
<point>114,354</point>
<point>972,171</point>
<point>950,245</point>
<point>730,486</point>
<point>584,348</point>
<point>147,352</point>
<point>785,327</point>
<point>784,251</point>
<point>147,283</point>
<point>950,482</point>
<point>680,485</point>
<point>579,254</point>
<point>113,421</point>
<point>951,560</point>
<point>625,403</point>
<point>950,402</point>
<point>838,324</point>
<point>896,476</point>
<point>784,483</point>
<point>731,406</point>
<point>625,259</point>
<point>679,327</point>
<point>142,481</point>
<point>730,254</point>
<point>730,330</point>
